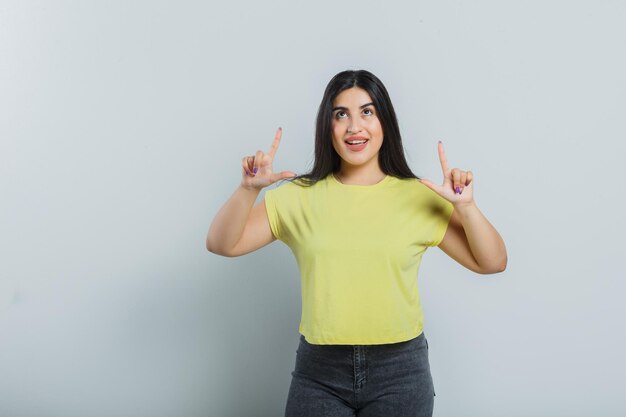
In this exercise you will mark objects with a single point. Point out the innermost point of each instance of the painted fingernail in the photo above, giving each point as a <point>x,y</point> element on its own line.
<point>458,189</point>
<point>254,170</point>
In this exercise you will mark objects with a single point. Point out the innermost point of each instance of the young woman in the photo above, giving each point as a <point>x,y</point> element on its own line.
<point>358,224</point>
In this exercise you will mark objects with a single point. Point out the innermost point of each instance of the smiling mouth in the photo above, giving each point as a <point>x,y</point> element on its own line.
<point>357,145</point>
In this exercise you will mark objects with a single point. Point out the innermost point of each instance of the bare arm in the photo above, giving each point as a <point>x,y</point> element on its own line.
<point>230,222</point>
<point>473,242</point>
<point>470,239</point>
<point>238,227</point>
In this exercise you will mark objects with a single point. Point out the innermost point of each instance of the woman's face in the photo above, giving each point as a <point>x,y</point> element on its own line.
<point>354,117</point>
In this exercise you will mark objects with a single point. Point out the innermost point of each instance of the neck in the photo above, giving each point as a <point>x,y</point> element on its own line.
<point>360,175</point>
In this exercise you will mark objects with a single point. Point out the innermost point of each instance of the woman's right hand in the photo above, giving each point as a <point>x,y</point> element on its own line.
<point>257,170</point>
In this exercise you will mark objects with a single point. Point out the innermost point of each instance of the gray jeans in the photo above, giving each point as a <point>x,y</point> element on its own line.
<point>391,380</point>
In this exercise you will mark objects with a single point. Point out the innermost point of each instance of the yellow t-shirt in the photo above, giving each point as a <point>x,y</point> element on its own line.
<point>358,248</point>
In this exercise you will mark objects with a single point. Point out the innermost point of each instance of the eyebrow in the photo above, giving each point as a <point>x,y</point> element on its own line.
<point>345,108</point>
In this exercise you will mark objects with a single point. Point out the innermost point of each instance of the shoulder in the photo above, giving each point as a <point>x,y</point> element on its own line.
<point>291,193</point>
<point>423,194</point>
<point>297,186</point>
<point>412,186</point>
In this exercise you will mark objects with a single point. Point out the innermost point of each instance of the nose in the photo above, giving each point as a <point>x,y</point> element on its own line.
<point>354,126</point>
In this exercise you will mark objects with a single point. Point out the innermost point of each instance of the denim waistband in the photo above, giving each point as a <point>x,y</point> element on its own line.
<point>386,347</point>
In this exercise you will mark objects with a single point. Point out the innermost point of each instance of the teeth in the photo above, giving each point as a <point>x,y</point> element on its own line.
<point>356,142</point>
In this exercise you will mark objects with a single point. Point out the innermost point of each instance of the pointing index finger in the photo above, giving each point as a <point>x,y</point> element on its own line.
<point>276,142</point>
<point>443,160</point>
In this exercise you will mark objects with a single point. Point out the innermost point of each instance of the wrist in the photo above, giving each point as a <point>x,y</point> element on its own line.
<point>249,188</point>
<point>465,206</point>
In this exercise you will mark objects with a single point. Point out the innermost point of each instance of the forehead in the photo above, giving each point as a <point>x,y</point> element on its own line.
<point>352,97</point>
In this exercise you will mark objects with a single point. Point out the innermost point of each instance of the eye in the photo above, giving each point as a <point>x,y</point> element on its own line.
<point>368,110</point>
<point>338,113</point>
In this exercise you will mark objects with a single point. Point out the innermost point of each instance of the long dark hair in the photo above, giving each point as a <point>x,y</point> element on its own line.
<point>391,155</point>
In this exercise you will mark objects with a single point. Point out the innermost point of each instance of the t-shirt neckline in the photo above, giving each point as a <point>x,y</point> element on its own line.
<point>358,186</point>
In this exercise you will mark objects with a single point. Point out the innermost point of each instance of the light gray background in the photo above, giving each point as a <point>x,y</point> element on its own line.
<point>122,128</point>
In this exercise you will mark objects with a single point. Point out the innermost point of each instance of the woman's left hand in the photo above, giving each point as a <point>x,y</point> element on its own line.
<point>457,187</point>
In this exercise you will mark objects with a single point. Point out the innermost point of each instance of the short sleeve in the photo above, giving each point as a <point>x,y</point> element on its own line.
<point>442,211</point>
<point>272,213</point>
<point>283,208</point>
